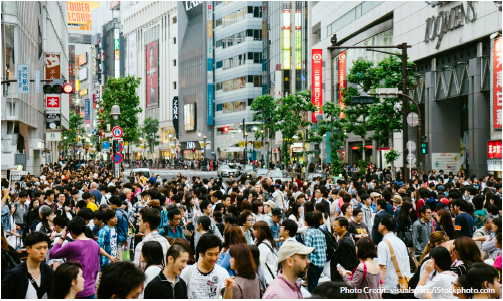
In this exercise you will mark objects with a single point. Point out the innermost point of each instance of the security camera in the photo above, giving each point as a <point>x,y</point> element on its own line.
<point>333,40</point>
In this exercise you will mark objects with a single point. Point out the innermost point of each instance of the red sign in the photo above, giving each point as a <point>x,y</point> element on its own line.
<point>342,80</point>
<point>317,92</point>
<point>53,104</point>
<point>497,86</point>
<point>494,149</point>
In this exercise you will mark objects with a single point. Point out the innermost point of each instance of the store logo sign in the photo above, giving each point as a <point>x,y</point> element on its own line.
<point>191,4</point>
<point>437,26</point>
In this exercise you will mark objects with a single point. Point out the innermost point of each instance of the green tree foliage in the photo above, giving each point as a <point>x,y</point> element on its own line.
<point>292,118</point>
<point>384,116</point>
<point>122,91</point>
<point>76,123</point>
<point>264,109</point>
<point>149,129</point>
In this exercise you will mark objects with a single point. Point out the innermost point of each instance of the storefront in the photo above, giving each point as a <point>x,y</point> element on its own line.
<point>494,158</point>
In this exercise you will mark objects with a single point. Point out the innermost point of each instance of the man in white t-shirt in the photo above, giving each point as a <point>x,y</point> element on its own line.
<point>205,279</point>
<point>17,284</point>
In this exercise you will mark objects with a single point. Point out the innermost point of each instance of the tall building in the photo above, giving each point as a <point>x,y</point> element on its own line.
<point>456,47</point>
<point>33,33</point>
<point>150,32</point>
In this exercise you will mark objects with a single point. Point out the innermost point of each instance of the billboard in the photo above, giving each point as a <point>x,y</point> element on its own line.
<point>497,86</point>
<point>52,66</point>
<point>152,61</point>
<point>81,59</point>
<point>342,80</point>
<point>317,91</point>
<point>189,112</point>
<point>79,12</point>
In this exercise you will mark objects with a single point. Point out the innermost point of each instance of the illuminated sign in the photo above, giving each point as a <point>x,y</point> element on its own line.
<point>342,81</point>
<point>83,92</point>
<point>82,59</point>
<point>286,39</point>
<point>286,19</point>
<point>497,86</point>
<point>79,12</point>
<point>494,149</point>
<point>298,47</point>
<point>317,76</point>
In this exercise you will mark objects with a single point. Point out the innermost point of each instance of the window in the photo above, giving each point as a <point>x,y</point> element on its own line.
<point>250,78</point>
<point>219,86</point>
<point>174,63</point>
<point>174,20</point>
<point>219,107</point>
<point>174,40</point>
<point>257,12</point>
<point>250,9</point>
<point>218,22</point>
<point>249,32</point>
<point>250,55</point>
<point>219,64</point>
<point>256,58</point>
<point>257,81</point>
<point>174,85</point>
<point>250,101</point>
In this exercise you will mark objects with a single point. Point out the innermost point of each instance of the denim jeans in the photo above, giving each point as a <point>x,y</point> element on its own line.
<point>313,276</point>
<point>89,297</point>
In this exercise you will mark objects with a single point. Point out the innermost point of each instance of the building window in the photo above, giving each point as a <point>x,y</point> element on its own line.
<point>174,85</point>
<point>257,81</point>
<point>174,20</point>
<point>174,40</point>
<point>174,63</point>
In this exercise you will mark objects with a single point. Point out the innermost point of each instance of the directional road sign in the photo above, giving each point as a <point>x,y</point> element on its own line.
<point>117,158</point>
<point>105,145</point>
<point>117,132</point>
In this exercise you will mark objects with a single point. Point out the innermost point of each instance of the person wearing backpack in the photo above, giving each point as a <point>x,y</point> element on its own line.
<point>345,254</point>
<point>10,258</point>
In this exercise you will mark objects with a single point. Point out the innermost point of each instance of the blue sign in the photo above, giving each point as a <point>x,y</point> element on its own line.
<point>210,104</point>
<point>87,110</point>
<point>37,81</point>
<point>117,158</point>
<point>23,78</point>
<point>105,145</point>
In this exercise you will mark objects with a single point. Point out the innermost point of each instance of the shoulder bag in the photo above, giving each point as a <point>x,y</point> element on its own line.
<point>403,282</point>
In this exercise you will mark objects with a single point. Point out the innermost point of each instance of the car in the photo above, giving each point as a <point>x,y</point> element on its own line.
<point>260,172</point>
<point>139,171</point>
<point>248,170</point>
<point>228,170</point>
<point>312,176</point>
<point>278,174</point>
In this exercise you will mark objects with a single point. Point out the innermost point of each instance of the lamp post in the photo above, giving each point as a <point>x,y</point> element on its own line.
<point>246,148</point>
<point>263,146</point>
<point>115,112</point>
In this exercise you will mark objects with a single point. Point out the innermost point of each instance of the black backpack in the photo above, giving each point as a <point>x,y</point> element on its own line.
<point>10,259</point>
<point>331,244</point>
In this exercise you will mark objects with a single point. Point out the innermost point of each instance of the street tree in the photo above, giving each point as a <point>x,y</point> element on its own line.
<point>264,109</point>
<point>76,122</point>
<point>293,119</point>
<point>122,91</point>
<point>149,130</point>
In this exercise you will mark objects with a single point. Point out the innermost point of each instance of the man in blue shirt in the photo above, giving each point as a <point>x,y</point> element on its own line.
<point>122,223</point>
<point>376,236</point>
<point>173,228</point>
<point>273,221</point>
<point>463,223</point>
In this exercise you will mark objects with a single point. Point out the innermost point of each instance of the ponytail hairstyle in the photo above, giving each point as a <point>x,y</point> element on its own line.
<point>436,237</point>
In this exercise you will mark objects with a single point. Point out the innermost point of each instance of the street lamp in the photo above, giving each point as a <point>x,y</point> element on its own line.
<point>204,147</point>
<point>263,146</point>
<point>246,147</point>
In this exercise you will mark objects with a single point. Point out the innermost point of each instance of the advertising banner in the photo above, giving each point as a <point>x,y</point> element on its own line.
<point>79,12</point>
<point>53,121</point>
<point>52,66</point>
<point>317,91</point>
<point>151,51</point>
<point>189,111</point>
<point>494,149</point>
<point>87,110</point>
<point>209,36</point>
<point>449,162</point>
<point>342,80</point>
<point>131,40</point>
<point>37,81</point>
<point>175,115</point>
<point>497,85</point>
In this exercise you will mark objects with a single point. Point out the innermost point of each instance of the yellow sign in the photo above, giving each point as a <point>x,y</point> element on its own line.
<point>257,145</point>
<point>79,12</point>
<point>201,144</point>
<point>241,144</point>
<point>77,85</point>
<point>83,92</point>
<point>209,27</point>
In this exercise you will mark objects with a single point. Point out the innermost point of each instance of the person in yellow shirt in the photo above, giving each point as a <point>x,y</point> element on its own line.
<point>90,200</point>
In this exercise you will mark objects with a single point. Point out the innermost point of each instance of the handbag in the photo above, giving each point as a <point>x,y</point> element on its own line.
<point>403,282</point>
<point>406,236</point>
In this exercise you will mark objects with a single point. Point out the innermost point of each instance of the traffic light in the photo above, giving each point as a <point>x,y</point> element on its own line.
<point>115,146</point>
<point>226,129</point>
<point>58,86</point>
<point>424,148</point>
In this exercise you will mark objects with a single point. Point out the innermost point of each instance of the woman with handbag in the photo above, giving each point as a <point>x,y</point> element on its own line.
<point>367,274</point>
<point>406,218</point>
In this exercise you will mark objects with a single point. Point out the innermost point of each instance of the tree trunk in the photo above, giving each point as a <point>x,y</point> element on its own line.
<point>392,162</point>
<point>363,137</point>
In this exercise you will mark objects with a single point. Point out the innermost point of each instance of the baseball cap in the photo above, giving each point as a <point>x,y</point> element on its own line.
<point>290,248</point>
<point>397,199</point>
<point>277,211</point>
<point>270,204</point>
<point>374,194</point>
<point>445,201</point>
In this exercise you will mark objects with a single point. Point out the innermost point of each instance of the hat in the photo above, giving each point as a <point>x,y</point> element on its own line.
<point>402,191</point>
<point>277,211</point>
<point>270,204</point>
<point>445,201</point>
<point>375,194</point>
<point>440,188</point>
<point>397,199</point>
<point>290,248</point>
<point>277,185</point>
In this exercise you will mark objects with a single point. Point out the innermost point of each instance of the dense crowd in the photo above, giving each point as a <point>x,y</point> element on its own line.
<point>75,231</point>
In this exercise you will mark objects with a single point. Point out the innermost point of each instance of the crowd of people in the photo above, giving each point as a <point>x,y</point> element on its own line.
<point>75,231</point>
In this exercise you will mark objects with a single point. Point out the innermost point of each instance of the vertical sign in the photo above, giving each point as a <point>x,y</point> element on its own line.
<point>497,86</point>
<point>298,39</point>
<point>87,111</point>
<point>52,66</point>
<point>23,78</point>
<point>37,81</point>
<point>175,115</point>
<point>285,41</point>
<point>151,52</point>
<point>317,92</point>
<point>116,49</point>
<point>209,36</point>
<point>342,80</point>
<point>132,53</point>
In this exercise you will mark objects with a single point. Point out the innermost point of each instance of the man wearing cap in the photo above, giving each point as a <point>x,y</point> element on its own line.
<point>278,198</point>
<point>273,221</point>
<point>293,259</point>
<point>268,207</point>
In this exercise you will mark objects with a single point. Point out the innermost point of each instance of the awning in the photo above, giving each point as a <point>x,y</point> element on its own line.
<point>233,149</point>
